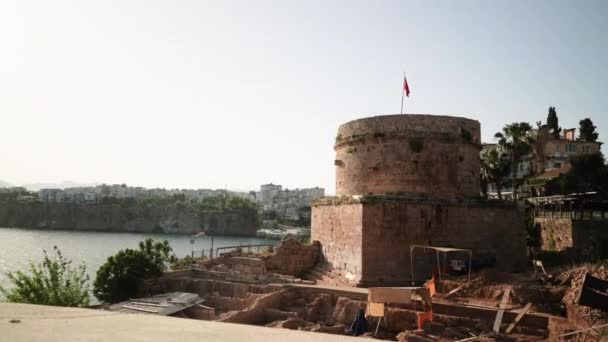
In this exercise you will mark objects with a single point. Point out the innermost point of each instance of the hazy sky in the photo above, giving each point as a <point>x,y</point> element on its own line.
<point>240,93</point>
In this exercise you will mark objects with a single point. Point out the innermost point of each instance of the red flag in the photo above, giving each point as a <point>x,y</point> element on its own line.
<point>406,87</point>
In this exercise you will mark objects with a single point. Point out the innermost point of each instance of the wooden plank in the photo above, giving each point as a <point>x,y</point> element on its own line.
<point>390,295</point>
<point>501,312</point>
<point>475,338</point>
<point>145,300</point>
<point>139,309</point>
<point>584,330</point>
<point>150,304</point>
<point>453,291</point>
<point>518,318</point>
<point>375,309</point>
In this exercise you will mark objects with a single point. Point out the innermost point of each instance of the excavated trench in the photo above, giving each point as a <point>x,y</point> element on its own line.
<point>317,309</point>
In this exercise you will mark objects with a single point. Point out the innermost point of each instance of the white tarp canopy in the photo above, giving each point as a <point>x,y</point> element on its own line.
<point>445,251</point>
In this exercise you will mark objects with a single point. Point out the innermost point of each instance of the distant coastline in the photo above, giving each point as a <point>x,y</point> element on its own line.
<point>130,217</point>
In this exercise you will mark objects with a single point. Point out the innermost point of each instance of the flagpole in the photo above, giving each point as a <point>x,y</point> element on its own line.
<point>402,92</point>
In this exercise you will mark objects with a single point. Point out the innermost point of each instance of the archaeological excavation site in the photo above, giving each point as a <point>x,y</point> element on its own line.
<point>407,250</point>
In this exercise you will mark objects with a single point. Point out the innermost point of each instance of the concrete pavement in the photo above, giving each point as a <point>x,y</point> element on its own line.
<point>48,323</point>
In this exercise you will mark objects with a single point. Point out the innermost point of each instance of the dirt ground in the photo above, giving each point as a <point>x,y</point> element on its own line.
<point>292,307</point>
<point>556,297</point>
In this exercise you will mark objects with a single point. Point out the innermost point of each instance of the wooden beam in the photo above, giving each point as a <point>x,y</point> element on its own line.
<point>584,330</point>
<point>453,291</point>
<point>501,312</point>
<point>518,318</point>
<point>151,304</point>
<point>139,309</point>
<point>475,338</point>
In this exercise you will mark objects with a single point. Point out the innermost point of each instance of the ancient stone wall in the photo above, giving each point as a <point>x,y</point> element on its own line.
<point>581,238</point>
<point>293,258</point>
<point>494,232</point>
<point>411,179</point>
<point>424,154</point>
<point>556,233</point>
<point>390,224</point>
<point>339,228</point>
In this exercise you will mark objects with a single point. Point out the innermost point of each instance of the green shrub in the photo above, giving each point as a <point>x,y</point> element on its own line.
<point>119,278</point>
<point>52,282</point>
<point>185,262</point>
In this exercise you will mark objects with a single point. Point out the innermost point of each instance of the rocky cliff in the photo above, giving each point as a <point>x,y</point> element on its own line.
<point>173,219</point>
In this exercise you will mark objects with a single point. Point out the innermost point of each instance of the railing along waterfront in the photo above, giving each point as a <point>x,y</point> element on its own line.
<point>214,253</point>
<point>578,215</point>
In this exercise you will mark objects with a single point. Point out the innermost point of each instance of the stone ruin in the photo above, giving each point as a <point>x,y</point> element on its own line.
<point>411,179</point>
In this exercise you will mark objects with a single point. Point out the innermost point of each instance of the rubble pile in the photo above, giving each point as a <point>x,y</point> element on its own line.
<point>572,280</point>
<point>249,270</point>
<point>293,258</point>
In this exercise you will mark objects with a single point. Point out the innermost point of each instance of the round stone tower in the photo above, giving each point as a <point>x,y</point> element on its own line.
<point>404,180</point>
<point>404,154</point>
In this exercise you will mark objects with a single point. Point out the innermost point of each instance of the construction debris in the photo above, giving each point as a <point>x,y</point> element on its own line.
<point>503,304</point>
<point>162,304</point>
<point>518,318</point>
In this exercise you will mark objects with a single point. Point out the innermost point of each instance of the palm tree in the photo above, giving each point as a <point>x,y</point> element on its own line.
<point>495,166</point>
<point>516,141</point>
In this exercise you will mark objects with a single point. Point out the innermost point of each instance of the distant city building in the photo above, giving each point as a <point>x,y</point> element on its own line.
<point>51,195</point>
<point>13,189</point>
<point>549,158</point>
<point>291,204</point>
<point>552,153</point>
<point>122,191</point>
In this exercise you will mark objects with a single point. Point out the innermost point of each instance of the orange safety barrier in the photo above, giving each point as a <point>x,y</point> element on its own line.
<point>431,286</point>
<point>424,317</point>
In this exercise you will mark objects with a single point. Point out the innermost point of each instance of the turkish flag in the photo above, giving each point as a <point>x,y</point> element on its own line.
<point>406,87</point>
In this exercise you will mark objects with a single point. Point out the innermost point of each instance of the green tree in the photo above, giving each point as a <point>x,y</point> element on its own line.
<point>52,282</point>
<point>495,166</point>
<point>553,123</point>
<point>587,130</point>
<point>516,141</point>
<point>119,278</point>
<point>588,173</point>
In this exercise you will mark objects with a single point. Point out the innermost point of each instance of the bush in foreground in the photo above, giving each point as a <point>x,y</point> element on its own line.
<point>52,282</point>
<point>119,278</point>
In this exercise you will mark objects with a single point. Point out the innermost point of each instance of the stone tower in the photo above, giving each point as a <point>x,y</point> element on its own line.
<point>410,179</point>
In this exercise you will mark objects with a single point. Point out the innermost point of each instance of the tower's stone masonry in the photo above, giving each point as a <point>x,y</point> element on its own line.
<point>410,179</point>
<point>424,154</point>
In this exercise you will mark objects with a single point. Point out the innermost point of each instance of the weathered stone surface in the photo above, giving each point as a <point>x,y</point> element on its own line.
<point>409,337</point>
<point>368,239</point>
<point>346,309</point>
<point>292,323</point>
<point>278,315</point>
<point>434,328</point>
<point>320,309</point>
<point>411,179</point>
<point>293,258</point>
<point>584,239</point>
<point>246,261</point>
<point>428,154</point>
<point>340,231</point>
<point>453,333</point>
<point>338,329</point>
<point>254,314</point>
<point>202,287</point>
<point>400,319</point>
